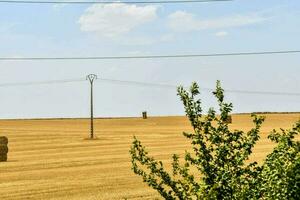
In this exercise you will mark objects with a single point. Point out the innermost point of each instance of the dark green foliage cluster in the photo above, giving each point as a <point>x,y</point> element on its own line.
<point>219,158</point>
<point>280,175</point>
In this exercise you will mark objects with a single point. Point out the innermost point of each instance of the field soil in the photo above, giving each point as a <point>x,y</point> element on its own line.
<point>51,159</point>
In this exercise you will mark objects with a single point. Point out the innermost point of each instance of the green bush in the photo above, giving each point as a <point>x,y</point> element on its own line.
<point>219,156</point>
<point>280,175</point>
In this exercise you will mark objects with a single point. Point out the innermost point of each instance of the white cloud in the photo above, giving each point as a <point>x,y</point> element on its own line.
<point>58,7</point>
<point>136,40</point>
<point>113,20</point>
<point>221,34</point>
<point>182,21</point>
<point>167,38</point>
<point>6,27</point>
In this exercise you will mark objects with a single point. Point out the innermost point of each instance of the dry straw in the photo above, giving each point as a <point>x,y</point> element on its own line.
<point>3,158</point>
<point>3,140</point>
<point>3,149</point>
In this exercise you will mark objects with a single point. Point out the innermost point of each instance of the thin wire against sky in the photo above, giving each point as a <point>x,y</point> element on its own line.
<point>113,2</point>
<point>152,56</point>
<point>146,84</point>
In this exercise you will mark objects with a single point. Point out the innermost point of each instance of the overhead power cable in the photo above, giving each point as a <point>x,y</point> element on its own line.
<point>201,88</point>
<point>41,82</point>
<point>263,92</point>
<point>152,56</point>
<point>146,84</point>
<point>113,2</point>
<point>136,83</point>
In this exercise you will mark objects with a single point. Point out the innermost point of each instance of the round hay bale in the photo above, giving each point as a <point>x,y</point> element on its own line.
<point>3,158</point>
<point>3,149</point>
<point>144,115</point>
<point>3,140</point>
<point>229,119</point>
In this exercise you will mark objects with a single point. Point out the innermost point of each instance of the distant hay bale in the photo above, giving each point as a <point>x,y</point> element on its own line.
<point>3,140</point>
<point>3,158</point>
<point>229,119</point>
<point>3,149</point>
<point>144,115</point>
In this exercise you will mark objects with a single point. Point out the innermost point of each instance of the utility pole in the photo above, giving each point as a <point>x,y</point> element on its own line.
<point>91,78</point>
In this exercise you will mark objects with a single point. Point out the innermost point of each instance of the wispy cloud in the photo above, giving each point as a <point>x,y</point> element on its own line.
<point>113,20</point>
<point>6,27</point>
<point>182,21</point>
<point>58,7</point>
<point>221,34</point>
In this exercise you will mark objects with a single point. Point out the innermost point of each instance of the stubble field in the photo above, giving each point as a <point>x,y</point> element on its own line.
<point>50,159</point>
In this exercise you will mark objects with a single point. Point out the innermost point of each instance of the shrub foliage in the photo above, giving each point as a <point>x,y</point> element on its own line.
<point>217,167</point>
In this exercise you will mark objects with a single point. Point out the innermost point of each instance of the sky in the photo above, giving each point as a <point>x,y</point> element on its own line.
<point>34,30</point>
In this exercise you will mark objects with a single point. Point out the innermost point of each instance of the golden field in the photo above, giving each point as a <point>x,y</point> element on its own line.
<point>50,159</point>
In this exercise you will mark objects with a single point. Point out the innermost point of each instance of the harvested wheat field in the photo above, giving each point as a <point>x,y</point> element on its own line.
<point>49,159</point>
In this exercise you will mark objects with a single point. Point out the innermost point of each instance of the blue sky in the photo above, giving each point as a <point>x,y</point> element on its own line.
<point>127,29</point>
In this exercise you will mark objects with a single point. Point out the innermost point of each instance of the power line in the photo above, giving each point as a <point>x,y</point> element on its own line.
<point>139,83</point>
<point>206,89</point>
<point>146,84</point>
<point>41,82</point>
<point>263,92</point>
<point>113,2</point>
<point>152,56</point>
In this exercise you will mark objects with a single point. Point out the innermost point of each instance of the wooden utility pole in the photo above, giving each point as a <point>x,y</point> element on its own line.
<point>91,78</point>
